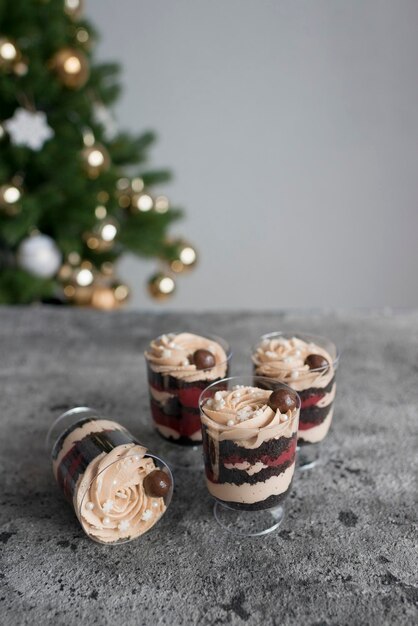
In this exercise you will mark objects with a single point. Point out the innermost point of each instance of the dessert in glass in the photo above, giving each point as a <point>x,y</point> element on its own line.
<point>179,367</point>
<point>117,489</point>
<point>249,427</point>
<point>308,364</point>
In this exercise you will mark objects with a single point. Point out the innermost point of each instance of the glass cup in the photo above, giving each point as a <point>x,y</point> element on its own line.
<point>118,490</point>
<point>249,461</point>
<point>316,386</point>
<point>174,401</point>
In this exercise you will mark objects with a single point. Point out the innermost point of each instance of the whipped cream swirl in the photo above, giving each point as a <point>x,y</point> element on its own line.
<point>110,499</point>
<point>242,415</point>
<point>172,354</point>
<point>284,359</point>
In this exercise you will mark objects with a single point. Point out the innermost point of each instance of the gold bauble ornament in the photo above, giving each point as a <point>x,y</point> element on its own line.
<point>102,237</point>
<point>121,293</point>
<point>161,286</point>
<point>20,68</point>
<point>10,196</point>
<point>95,159</point>
<point>71,67</point>
<point>186,257</point>
<point>103,298</point>
<point>142,202</point>
<point>81,296</point>
<point>79,281</point>
<point>74,8</point>
<point>9,54</point>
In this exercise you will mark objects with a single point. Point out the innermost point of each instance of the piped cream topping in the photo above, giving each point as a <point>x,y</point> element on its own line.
<point>110,498</point>
<point>242,414</point>
<point>284,359</point>
<point>172,353</point>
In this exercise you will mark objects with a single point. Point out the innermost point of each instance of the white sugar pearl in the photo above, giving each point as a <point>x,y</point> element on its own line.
<point>146,515</point>
<point>137,457</point>
<point>230,423</point>
<point>298,353</point>
<point>218,396</point>
<point>106,521</point>
<point>155,504</point>
<point>185,362</point>
<point>114,481</point>
<point>284,418</point>
<point>294,375</point>
<point>166,353</point>
<point>89,506</point>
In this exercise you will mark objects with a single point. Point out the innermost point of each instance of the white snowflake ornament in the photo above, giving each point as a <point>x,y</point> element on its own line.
<point>28,128</point>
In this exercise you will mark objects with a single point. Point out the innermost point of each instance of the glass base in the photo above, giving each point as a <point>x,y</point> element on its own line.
<point>248,523</point>
<point>179,457</point>
<point>308,456</point>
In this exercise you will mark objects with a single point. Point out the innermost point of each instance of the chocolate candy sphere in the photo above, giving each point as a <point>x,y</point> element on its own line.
<point>203,359</point>
<point>157,484</point>
<point>283,401</point>
<point>316,362</point>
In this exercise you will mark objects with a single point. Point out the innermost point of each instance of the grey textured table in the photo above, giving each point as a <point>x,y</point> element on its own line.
<point>347,550</point>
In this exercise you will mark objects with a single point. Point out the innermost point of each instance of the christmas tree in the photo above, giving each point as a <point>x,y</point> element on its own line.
<point>75,194</point>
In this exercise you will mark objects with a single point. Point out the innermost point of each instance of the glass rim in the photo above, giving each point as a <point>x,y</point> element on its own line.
<point>167,500</point>
<point>276,383</point>
<point>74,411</point>
<point>216,338</point>
<point>302,335</point>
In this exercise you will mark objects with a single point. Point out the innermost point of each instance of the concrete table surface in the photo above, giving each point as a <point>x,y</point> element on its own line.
<point>346,552</point>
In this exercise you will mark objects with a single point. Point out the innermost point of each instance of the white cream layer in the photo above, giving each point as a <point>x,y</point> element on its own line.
<point>160,396</point>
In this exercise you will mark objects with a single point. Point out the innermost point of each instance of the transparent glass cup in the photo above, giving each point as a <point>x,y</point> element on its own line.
<point>249,471</point>
<point>174,403</point>
<point>117,489</point>
<point>316,389</point>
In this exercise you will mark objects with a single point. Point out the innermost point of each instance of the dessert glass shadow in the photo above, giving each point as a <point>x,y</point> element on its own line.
<point>117,489</point>
<point>308,364</point>
<point>179,367</point>
<point>249,427</point>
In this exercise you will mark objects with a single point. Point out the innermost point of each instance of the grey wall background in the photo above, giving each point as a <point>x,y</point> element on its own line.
<point>292,129</point>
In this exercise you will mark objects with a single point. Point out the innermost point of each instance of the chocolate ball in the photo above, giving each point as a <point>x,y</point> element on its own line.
<point>203,359</point>
<point>316,362</point>
<point>283,401</point>
<point>157,484</point>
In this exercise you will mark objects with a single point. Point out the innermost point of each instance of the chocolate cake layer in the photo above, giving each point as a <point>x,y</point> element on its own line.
<point>314,414</point>
<point>166,382</point>
<point>268,503</point>
<point>315,391</point>
<point>171,406</point>
<point>271,447</point>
